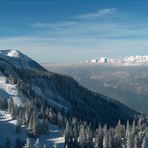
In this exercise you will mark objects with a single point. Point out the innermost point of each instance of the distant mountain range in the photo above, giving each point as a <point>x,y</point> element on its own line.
<point>131,60</point>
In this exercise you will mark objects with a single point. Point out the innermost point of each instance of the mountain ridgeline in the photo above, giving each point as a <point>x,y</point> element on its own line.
<point>60,92</point>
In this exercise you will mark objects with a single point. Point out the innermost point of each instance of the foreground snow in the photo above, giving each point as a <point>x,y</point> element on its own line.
<point>8,127</point>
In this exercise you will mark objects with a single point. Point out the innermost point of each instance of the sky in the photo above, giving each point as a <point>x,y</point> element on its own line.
<point>55,31</point>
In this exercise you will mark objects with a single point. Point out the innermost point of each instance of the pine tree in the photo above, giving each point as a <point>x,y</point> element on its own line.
<point>119,134</point>
<point>35,125</point>
<point>68,134</point>
<point>82,136</point>
<point>144,143</point>
<point>111,139</point>
<point>98,137</point>
<point>60,119</point>
<point>105,137</point>
<point>30,126</point>
<point>105,140</point>
<point>89,137</point>
<point>136,142</point>
<point>11,106</point>
<point>37,143</point>
<point>129,143</point>
<point>127,129</point>
<point>133,127</point>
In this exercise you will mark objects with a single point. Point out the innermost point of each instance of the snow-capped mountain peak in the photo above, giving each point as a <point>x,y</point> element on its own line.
<point>131,60</point>
<point>19,59</point>
<point>136,59</point>
<point>11,53</point>
<point>99,60</point>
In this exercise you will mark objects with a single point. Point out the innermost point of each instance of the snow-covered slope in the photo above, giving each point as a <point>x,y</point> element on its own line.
<point>8,129</point>
<point>11,62</point>
<point>132,60</point>
<point>7,90</point>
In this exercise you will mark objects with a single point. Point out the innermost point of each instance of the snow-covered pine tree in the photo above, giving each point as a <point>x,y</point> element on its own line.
<point>37,143</point>
<point>11,105</point>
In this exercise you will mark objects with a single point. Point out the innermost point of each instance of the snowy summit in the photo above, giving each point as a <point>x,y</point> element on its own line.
<point>19,59</point>
<point>10,53</point>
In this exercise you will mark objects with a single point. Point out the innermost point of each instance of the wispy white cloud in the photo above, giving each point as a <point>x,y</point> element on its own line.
<point>77,20</point>
<point>91,30</point>
<point>57,25</point>
<point>99,13</point>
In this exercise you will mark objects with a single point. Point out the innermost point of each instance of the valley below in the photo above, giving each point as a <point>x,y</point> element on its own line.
<point>126,84</point>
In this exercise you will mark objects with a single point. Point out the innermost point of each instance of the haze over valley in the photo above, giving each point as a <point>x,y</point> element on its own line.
<point>125,82</point>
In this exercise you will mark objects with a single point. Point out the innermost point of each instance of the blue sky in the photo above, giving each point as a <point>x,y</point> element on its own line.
<point>52,31</point>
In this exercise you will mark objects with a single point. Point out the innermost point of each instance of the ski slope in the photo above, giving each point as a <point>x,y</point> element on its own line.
<point>7,90</point>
